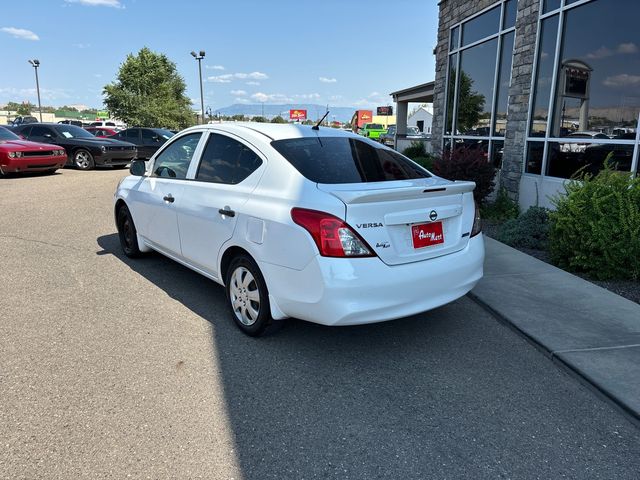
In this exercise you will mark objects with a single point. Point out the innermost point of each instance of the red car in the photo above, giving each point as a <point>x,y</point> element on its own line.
<point>101,132</point>
<point>18,155</point>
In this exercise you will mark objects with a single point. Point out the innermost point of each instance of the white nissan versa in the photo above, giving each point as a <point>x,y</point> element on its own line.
<point>317,224</point>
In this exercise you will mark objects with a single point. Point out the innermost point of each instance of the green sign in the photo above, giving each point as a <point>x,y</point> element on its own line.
<point>102,114</point>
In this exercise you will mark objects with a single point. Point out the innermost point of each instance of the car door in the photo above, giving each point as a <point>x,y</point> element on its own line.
<point>156,197</point>
<point>151,142</point>
<point>228,171</point>
<point>42,134</point>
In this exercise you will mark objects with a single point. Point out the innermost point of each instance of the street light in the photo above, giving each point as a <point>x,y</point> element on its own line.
<point>199,56</point>
<point>36,63</point>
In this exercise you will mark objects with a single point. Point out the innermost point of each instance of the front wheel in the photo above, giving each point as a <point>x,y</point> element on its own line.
<point>83,160</point>
<point>248,297</point>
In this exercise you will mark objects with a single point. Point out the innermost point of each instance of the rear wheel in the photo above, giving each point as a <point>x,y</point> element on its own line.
<point>127,233</point>
<point>83,160</point>
<point>248,297</point>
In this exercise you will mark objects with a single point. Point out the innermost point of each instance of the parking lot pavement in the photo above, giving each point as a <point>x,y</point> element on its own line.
<point>112,368</point>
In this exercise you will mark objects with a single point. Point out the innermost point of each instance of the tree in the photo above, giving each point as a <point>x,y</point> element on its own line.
<point>278,119</point>
<point>25,108</point>
<point>259,119</point>
<point>470,103</point>
<point>149,92</point>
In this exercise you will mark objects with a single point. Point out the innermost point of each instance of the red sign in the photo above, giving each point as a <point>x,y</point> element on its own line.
<point>364,116</point>
<point>298,114</point>
<point>427,234</point>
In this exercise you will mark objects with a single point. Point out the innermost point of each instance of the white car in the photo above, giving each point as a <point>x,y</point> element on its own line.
<point>316,224</point>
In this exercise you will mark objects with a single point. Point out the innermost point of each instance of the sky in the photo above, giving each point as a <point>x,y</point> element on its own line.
<point>338,52</point>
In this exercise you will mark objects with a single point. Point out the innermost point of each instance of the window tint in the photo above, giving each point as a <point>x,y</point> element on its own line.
<point>174,161</point>
<point>148,134</point>
<point>40,131</point>
<point>226,160</point>
<point>346,160</point>
<point>132,134</point>
<point>482,26</point>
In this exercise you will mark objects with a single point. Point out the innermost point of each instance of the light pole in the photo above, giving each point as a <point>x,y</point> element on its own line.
<point>199,56</point>
<point>36,64</point>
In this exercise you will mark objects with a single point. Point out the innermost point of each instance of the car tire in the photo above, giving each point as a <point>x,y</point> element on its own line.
<point>83,160</point>
<point>127,233</point>
<point>248,297</point>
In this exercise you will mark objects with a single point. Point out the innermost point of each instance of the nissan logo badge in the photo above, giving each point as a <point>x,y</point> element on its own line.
<point>433,215</point>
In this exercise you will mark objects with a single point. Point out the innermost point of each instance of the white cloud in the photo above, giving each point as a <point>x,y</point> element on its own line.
<point>30,93</point>
<point>602,52</point>
<point>98,3</point>
<point>238,93</point>
<point>271,97</point>
<point>327,80</point>
<point>97,75</point>
<point>228,77</point>
<point>20,33</point>
<point>308,96</point>
<point>214,67</point>
<point>334,98</point>
<point>242,100</point>
<point>627,48</point>
<point>252,83</point>
<point>81,45</point>
<point>623,80</point>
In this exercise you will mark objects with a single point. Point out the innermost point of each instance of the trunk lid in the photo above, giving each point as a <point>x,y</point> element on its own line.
<point>388,215</point>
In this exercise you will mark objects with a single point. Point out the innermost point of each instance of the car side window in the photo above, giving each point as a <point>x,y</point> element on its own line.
<point>25,132</point>
<point>149,136</point>
<point>40,131</point>
<point>173,161</point>
<point>132,135</point>
<point>227,161</point>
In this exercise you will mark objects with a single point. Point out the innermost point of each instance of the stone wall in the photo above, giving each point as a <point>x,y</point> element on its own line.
<point>455,11</point>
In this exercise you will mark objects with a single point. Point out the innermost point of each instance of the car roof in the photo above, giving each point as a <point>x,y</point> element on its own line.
<point>277,131</point>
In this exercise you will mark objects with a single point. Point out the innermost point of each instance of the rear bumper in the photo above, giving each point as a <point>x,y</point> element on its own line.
<point>32,164</point>
<point>335,291</point>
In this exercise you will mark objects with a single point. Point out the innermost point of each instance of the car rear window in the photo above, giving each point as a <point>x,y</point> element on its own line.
<point>346,160</point>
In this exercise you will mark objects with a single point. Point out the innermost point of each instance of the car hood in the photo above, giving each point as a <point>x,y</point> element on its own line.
<point>26,145</point>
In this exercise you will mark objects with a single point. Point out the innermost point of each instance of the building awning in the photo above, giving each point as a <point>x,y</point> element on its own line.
<point>418,94</point>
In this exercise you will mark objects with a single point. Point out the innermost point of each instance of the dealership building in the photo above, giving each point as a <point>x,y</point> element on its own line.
<point>544,88</point>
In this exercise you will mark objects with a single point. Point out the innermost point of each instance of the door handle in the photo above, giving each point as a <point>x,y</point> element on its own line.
<point>226,212</point>
<point>169,198</point>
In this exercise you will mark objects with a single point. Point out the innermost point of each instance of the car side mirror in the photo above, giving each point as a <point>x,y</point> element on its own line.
<point>138,168</point>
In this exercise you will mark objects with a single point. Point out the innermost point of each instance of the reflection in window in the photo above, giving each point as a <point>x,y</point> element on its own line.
<point>451,86</point>
<point>599,69</point>
<point>173,162</point>
<point>533,160</point>
<point>227,161</point>
<point>455,38</point>
<point>475,88</point>
<point>510,11</point>
<point>504,77</point>
<point>551,5</point>
<point>544,76</point>
<point>497,153</point>
<point>482,26</point>
<point>566,160</point>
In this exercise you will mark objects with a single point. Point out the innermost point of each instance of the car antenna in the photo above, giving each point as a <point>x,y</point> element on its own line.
<point>317,125</point>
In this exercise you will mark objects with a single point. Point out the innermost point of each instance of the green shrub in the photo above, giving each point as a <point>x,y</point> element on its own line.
<point>466,163</point>
<point>501,210</point>
<point>426,161</point>
<point>596,226</point>
<point>415,150</point>
<point>529,230</point>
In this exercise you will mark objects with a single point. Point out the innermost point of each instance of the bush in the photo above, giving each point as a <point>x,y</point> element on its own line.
<point>502,209</point>
<point>416,150</point>
<point>467,164</point>
<point>529,230</point>
<point>425,162</point>
<point>596,226</point>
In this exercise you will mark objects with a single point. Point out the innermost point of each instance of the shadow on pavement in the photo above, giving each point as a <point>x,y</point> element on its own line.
<point>437,395</point>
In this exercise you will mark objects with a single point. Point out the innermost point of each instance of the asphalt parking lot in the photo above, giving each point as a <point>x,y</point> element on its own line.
<point>113,368</point>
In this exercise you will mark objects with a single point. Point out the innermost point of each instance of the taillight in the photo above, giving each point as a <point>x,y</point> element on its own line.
<point>333,237</point>
<point>477,222</point>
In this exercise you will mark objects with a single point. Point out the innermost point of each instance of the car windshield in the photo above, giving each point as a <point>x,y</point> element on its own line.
<point>71,131</point>
<point>375,126</point>
<point>413,131</point>
<point>346,160</point>
<point>166,134</point>
<point>7,134</point>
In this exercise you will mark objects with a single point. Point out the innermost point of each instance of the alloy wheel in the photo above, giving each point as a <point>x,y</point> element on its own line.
<point>245,296</point>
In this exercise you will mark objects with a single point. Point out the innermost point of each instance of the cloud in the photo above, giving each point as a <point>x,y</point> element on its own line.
<point>214,67</point>
<point>602,52</point>
<point>20,33</point>
<point>81,45</point>
<point>30,93</point>
<point>97,75</point>
<point>627,48</point>
<point>242,100</point>
<point>98,3</point>
<point>252,83</point>
<point>238,93</point>
<point>623,80</point>
<point>334,98</point>
<point>621,49</point>
<point>228,77</point>
<point>307,96</point>
<point>327,80</point>
<point>271,97</point>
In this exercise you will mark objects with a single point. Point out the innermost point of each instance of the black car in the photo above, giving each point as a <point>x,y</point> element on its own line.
<point>23,120</point>
<point>147,140</point>
<point>83,149</point>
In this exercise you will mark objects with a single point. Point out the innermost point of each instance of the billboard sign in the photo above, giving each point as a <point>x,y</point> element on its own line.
<point>102,114</point>
<point>364,116</point>
<point>297,114</point>
<point>386,111</point>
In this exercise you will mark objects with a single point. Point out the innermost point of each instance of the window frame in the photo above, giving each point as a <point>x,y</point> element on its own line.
<point>500,33</point>
<point>548,138</point>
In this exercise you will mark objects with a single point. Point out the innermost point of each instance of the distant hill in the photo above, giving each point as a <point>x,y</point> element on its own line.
<point>314,112</point>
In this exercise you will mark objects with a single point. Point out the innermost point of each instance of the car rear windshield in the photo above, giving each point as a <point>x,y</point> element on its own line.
<point>346,160</point>
<point>375,126</point>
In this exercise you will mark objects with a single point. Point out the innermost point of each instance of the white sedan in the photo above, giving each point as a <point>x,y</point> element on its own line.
<point>316,224</point>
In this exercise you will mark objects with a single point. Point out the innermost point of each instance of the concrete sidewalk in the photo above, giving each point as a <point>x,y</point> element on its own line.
<point>592,331</point>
